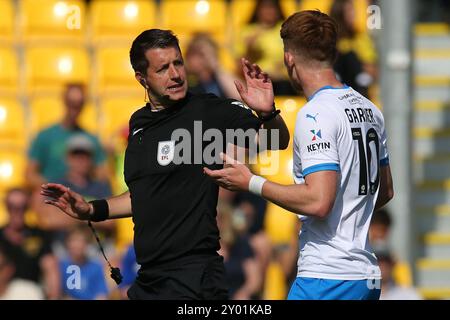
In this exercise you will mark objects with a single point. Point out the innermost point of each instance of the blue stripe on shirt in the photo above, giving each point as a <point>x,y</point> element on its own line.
<point>321,167</point>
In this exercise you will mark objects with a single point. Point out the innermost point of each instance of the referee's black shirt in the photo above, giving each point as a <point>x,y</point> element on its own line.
<point>174,206</point>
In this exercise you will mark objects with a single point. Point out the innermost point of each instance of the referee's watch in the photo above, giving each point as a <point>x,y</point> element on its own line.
<point>270,116</point>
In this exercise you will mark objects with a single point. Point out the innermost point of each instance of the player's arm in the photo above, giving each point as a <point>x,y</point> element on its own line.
<point>386,192</point>
<point>74,205</point>
<point>313,198</point>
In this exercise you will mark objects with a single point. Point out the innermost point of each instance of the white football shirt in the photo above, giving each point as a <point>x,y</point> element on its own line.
<point>340,130</point>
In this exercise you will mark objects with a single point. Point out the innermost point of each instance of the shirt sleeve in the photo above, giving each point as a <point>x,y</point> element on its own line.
<point>317,133</point>
<point>239,116</point>
<point>237,121</point>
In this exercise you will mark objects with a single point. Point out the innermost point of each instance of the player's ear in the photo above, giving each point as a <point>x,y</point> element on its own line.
<point>289,59</point>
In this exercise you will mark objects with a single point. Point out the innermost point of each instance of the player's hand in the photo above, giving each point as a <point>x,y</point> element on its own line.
<point>71,203</point>
<point>258,91</point>
<point>235,176</point>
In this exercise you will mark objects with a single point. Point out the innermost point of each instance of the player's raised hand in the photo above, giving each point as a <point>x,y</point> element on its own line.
<point>235,176</point>
<point>258,91</point>
<point>69,202</point>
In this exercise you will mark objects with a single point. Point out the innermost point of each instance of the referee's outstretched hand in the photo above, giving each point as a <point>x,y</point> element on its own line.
<point>69,202</point>
<point>258,92</point>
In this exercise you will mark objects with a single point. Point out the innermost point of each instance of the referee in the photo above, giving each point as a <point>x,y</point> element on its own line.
<point>173,206</point>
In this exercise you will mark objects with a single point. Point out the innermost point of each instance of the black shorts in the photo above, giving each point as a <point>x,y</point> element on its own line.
<point>194,277</point>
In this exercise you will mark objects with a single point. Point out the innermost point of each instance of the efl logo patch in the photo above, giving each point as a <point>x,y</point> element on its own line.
<point>317,134</point>
<point>166,151</point>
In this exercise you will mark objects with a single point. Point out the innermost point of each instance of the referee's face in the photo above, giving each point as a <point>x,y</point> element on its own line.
<point>166,75</point>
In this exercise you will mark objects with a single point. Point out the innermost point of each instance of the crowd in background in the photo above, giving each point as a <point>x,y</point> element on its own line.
<point>39,245</point>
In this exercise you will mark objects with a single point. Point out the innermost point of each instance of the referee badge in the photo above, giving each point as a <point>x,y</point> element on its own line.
<point>166,151</point>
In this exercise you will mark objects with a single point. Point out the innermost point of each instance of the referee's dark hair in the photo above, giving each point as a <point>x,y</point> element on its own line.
<point>150,39</point>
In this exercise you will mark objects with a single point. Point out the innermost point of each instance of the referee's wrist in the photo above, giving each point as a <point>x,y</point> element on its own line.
<point>268,116</point>
<point>99,210</point>
<point>91,210</point>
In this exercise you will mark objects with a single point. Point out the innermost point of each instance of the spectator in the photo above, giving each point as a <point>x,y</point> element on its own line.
<point>254,209</point>
<point>204,70</point>
<point>433,11</point>
<point>15,289</point>
<point>129,268</point>
<point>357,61</point>
<point>260,42</point>
<point>29,248</point>
<point>92,283</point>
<point>380,226</point>
<point>389,288</point>
<point>46,153</point>
<point>242,269</point>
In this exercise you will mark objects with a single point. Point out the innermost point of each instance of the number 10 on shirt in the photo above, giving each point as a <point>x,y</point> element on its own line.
<point>366,160</point>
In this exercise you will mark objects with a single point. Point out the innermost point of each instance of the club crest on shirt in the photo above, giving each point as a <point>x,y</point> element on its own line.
<point>166,151</point>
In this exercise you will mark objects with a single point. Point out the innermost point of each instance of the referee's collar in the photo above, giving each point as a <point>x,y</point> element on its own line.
<point>176,106</point>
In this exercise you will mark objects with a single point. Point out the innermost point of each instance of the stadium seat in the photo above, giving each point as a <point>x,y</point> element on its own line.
<point>121,20</point>
<point>361,14</point>
<point>322,5</point>
<point>275,165</point>
<point>189,16</point>
<point>114,71</point>
<point>289,7</point>
<point>6,21</point>
<point>289,107</point>
<point>63,20</point>
<point>12,168</point>
<point>48,110</point>
<point>9,73</point>
<point>12,123</point>
<point>325,6</point>
<point>275,287</point>
<point>115,114</point>
<point>241,11</point>
<point>50,68</point>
